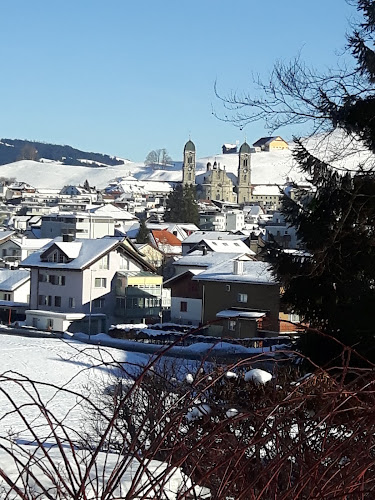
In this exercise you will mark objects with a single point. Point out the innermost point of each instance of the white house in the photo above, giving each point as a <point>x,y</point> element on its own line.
<point>15,249</point>
<point>14,294</point>
<point>235,220</point>
<point>78,224</point>
<point>70,277</point>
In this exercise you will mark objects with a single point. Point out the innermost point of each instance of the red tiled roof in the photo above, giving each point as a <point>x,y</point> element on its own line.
<point>164,237</point>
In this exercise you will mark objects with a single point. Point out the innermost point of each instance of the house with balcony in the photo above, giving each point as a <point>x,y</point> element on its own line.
<point>74,283</point>
<point>139,297</point>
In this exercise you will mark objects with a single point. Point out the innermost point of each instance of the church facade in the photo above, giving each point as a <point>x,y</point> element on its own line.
<point>217,184</point>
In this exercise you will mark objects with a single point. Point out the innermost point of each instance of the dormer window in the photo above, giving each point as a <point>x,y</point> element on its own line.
<point>53,257</point>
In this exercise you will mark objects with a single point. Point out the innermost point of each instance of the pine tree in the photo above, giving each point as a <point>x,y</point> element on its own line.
<point>143,233</point>
<point>182,206</point>
<point>332,285</point>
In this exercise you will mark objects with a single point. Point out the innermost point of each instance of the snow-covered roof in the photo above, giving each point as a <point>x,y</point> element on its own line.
<point>212,235</point>
<point>266,190</point>
<point>31,243</point>
<point>70,248</point>
<point>6,234</point>
<point>253,272</point>
<point>113,211</point>
<point>253,210</point>
<point>11,279</point>
<point>234,313</point>
<point>198,259</point>
<point>85,251</point>
<point>228,246</point>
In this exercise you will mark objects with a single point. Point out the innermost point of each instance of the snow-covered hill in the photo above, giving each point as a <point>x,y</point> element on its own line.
<point>267,168</point>
<point>276,167</point>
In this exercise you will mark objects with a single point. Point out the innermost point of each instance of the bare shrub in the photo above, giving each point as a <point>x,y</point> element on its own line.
<point>161,432</point>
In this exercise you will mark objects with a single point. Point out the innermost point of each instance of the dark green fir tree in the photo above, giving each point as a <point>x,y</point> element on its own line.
<point>143,233</point>
<point>182,206</point>
<point>332,284</point>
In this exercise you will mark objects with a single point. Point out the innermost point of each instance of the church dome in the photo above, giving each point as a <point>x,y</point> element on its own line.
<point>245,148</point>
<point>189,146</point>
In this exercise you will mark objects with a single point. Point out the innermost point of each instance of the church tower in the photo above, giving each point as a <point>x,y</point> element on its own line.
<point>244,174</point>
<point>188,168</point>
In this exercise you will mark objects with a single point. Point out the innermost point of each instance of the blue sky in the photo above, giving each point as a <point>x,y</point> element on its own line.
<point>125,77</point>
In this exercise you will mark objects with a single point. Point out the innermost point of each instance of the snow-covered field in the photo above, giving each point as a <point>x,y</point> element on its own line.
<point>61,363</point>
<point>41,383</point>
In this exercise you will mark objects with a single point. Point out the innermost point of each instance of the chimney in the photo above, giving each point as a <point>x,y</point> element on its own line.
<point>238,267</point>
<point>68,237</point>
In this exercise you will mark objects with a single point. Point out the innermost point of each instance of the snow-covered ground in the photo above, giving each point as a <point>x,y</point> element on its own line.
<point>64,363</point>
<point>32,372</point>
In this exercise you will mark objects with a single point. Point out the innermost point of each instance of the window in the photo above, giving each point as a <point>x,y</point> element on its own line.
<point>242,297</point>
<point>123,262</point>
<point>232,325</point>
<point>100,282</point>
<point>120,303</point>
<point>45,300</point>
<point>183,306</point>
<point>7,296</point>
<point>72,302</point>
<point>227,287</point>
<point>104,262</point>
<point>57,301</point>
<point>49,324</point>
<point>99,303</point>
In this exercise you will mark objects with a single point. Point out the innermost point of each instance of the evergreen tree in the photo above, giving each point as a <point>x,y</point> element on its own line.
<point>334,288</point>
<point>332,285</point>
<point>182,206</point>
<point>143,233</point>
